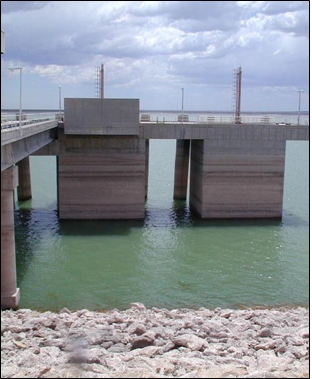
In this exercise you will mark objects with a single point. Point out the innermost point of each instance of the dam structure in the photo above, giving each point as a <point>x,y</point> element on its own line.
<point>236,169</point>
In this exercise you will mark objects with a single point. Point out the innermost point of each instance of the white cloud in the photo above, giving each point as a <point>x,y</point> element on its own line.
<point>157,46</point>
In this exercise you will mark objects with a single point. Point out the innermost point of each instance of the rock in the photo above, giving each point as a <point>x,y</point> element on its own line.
<point>265,332</point>
<point>191,341</point>
<point>146,339</point>
<point>136,328</point>
<point>155,343</point>
<point>138,306</point>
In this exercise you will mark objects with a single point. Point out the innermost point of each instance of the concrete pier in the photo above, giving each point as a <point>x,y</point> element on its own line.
<point>24,180</point>
<point>146,166</point>
<point>181,169</point>
<point>237,183</point>
<point>102,162</point>
<point>104,179</point>
<point>9,292</point>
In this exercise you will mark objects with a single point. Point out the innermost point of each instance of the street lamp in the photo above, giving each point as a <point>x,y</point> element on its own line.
<point>182,103</point>
<point>20,104</point>
<point>299,92</point>
<point>60,100</point>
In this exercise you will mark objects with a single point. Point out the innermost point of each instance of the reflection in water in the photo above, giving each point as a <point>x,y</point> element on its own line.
<point>191,262</point>
<point>177,215</point>
<point>33,228</point>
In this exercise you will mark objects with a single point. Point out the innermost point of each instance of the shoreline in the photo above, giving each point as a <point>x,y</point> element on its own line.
<point>156,343</point>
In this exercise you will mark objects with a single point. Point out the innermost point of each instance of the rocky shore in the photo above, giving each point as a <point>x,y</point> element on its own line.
<point>156,343</point>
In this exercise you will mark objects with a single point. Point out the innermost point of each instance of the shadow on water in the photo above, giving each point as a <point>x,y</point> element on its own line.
<point>180,215</point>
<point>98,227</point>
<point>32,226</point>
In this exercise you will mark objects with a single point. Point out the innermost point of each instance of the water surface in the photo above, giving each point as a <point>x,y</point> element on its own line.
<point>171,259</point>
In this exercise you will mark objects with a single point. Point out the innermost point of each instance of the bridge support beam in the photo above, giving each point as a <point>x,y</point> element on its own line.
<point>24,180</point>
<point>181,169</point>
<point>228,185</point>
<point>10,294</point>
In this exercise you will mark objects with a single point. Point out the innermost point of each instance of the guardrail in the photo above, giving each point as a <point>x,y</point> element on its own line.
<point>12,121</point>
<point>211,120</point>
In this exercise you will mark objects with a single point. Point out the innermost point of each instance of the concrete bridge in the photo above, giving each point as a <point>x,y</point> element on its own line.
<point>236,170</point>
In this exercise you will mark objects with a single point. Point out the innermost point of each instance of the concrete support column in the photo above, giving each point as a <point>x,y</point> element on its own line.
<point>181,169</point>
<point>105,180</point>
<point>236,186</point>
<point>24,180</point>
<point>9,292</point>
<point>146,166</point>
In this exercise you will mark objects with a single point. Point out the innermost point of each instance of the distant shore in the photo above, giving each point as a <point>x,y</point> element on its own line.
<point>156,343</point>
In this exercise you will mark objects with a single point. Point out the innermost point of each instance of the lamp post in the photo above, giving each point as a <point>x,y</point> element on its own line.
<point>299,92</point>
<point>182,103</point>
<point>20,103</point>
<point>60,102</point>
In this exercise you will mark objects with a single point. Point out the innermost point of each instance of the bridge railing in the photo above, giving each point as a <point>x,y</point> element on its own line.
<point>220,119</point>
<point>12,120</point>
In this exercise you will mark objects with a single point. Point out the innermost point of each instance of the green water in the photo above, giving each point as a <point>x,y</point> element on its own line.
<point>170,259</point>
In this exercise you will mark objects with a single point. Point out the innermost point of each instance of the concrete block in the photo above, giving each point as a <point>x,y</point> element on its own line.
<point>102,116</point>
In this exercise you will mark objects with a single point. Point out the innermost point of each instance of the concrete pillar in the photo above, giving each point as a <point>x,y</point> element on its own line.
<point>9,292</point>
<point>105,180</point>
<point>181,169</point>
<point>146,166</point>
<point>236,186</point>
<point>24,180</point>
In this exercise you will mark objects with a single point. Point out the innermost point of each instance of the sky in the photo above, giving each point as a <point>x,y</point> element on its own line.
<point>153,49</point>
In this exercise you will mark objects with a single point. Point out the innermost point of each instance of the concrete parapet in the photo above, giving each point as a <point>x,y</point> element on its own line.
<point>102,116</point>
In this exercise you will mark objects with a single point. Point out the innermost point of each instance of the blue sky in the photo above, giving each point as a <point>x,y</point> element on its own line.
<point>152,49</point>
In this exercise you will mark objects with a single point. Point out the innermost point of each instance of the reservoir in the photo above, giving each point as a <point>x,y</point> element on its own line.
<point>171,259</point>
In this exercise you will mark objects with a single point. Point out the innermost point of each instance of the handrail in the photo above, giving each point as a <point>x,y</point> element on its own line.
<point>11,120</point>
<point>219,120</point>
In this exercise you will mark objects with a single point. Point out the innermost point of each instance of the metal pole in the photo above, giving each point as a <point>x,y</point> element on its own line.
<point>102,81</point>
<point>299,91</point>
<point>60,102</point>
<point>182,104</point>
<point>20,106</point>
<point>20,102</point>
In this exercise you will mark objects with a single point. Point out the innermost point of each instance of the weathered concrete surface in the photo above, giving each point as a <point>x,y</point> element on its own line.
<point>226,132</point>
<point>235,186</point>
<point>146,166</point>
<point>24,179</point>
<point>9,291</point>
<point>181,169</point>
<point>156,343</point>
<point>101,177</point>
<point>102,116</point>
<point>15,147</point>
<point>237,171</point>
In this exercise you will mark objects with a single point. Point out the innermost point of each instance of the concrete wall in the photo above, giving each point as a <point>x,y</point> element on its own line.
<point>101,177</point>
<point>102,116</point>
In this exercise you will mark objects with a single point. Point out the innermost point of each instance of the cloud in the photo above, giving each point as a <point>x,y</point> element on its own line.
<point>22,6</point>
<point>154,44</point>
